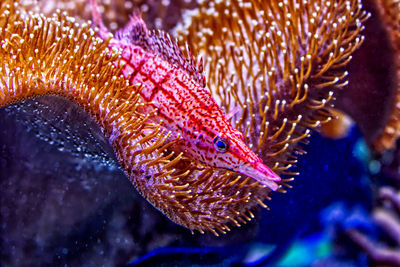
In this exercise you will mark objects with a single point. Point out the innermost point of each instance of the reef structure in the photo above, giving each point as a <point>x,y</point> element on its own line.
<point>278,63</point>
<point>389,13</point>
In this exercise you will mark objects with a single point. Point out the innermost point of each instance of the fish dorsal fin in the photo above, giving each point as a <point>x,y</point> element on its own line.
<point>135,31</point>
<point>161,44</point>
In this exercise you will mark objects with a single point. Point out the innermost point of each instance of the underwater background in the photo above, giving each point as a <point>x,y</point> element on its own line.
<point>64,200</point>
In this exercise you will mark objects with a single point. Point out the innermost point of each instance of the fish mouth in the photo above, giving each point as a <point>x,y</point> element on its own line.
<point>261,174</point>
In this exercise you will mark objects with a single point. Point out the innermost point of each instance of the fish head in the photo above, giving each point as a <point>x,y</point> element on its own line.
<point>230,151</point>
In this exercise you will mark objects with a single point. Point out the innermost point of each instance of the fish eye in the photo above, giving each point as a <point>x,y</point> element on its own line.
<point>220,144</point>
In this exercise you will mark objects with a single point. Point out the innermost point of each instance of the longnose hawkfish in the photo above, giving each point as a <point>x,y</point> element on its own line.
<point>176,88</point>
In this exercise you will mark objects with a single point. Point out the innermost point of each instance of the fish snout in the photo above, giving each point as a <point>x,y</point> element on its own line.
<point>264,169</point>
<point>261,173</point>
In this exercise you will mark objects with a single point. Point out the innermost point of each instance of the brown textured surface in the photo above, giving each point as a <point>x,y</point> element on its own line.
<point>389,13</point>
<point>370,97</point>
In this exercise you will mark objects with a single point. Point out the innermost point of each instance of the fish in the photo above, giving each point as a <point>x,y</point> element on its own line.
<point>174,84</point>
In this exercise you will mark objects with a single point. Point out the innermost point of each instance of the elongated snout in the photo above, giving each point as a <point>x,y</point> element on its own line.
<point>261,173</point>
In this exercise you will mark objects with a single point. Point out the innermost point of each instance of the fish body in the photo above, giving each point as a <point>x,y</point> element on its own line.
<point>175,87</point>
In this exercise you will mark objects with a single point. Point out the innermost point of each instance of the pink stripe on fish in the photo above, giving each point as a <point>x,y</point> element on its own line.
<point>175,86</point>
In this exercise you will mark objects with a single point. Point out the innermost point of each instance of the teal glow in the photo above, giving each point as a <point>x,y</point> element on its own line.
<point>304,252</point>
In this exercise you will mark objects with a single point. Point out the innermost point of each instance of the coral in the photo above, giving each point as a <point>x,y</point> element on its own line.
<point>387,217</point>
<point>55,55</point>
<point>278,63</point>
<point>157,14</point>
<point>290,57</point>
<point>383,136</point>
<point>389,13</point>
<point>371,98</point>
